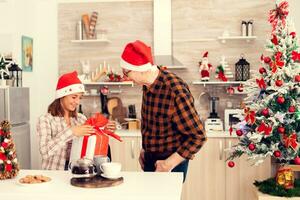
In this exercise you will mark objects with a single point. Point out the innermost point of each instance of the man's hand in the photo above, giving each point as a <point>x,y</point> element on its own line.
<point>170,163</point>
<point>142,158</point>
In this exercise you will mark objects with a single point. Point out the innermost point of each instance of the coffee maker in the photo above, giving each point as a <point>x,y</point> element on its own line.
<point>213,122</point>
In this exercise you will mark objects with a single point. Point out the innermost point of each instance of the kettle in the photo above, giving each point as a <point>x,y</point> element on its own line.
<point>82,168</point>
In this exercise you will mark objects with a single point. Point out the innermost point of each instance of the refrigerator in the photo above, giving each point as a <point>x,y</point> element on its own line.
<point>14,107</point>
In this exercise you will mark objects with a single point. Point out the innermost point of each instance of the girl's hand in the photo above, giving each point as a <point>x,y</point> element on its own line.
<point>82,130</point>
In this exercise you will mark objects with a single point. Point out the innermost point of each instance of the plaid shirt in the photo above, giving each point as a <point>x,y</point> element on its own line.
<point>170,122</point>
<point>55,137</point>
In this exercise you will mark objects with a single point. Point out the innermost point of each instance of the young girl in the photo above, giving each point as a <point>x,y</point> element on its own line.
<point>57,128</point>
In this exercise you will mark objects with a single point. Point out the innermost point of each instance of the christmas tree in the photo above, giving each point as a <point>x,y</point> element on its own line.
<point>271,122</point>
<point>9,166</point>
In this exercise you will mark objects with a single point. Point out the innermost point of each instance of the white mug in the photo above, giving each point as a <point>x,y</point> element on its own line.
<point>99,160</point>
<point>111,169</point>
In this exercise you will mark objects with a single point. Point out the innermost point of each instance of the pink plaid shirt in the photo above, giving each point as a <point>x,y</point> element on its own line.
<point>54,136</point>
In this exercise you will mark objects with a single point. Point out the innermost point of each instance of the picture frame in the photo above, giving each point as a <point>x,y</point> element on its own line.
<point>27,53</point>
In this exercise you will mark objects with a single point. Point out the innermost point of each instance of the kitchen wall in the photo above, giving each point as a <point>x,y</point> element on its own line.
<point>192,20</point>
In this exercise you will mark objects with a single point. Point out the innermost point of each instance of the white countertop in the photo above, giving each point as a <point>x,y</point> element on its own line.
<point>136,186</point>
<point>210,134</point>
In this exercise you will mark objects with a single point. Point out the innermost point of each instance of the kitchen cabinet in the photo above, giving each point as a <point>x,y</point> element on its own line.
<point>127,152</point>
<point>209,178</point>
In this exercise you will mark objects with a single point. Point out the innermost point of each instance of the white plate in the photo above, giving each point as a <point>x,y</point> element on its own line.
<point>114,177</point>
<point>33,184</point>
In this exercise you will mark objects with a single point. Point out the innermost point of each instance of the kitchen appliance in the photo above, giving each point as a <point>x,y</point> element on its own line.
<point>213,122</point>
<point>231,118</point>
<point>83,169</point>
<point>14,107</point>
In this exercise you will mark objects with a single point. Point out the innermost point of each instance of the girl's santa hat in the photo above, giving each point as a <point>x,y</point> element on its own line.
<point>137,57</point>
<point>68,84</point>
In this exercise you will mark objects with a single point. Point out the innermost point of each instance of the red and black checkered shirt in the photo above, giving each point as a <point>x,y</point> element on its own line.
<point>170,122</point>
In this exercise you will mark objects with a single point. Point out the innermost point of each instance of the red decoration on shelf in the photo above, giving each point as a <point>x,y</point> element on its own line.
<point>251,147</point>
<point>292,109</point>
<point>278,83</point>
<point>297,78</point>
<point>231,164</point>
<point>297,160</point>
<point>262,70</point>
<point>277,154</point>
<point>240,88</point>
<point>230,90</point>
<point>265,112</point>
<point>239,132</point>
<point>280,100</point>
<point>281,130</point>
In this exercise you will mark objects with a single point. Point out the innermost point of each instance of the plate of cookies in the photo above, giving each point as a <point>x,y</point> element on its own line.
<point>34,180</point>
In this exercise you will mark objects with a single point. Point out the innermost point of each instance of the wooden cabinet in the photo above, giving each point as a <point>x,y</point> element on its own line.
<point>126,152</point>
<point>209,178</point>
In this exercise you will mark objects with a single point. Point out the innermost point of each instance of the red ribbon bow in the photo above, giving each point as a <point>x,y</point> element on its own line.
<point>263,128</point>
<point>261,83</point>
<point>250,116</point>
<point>279,13</point>
<point>295,56</point>
<point>99,122</point>
<point>290,141</point>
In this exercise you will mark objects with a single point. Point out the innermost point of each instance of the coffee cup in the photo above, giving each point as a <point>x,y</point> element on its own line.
<point>99,160</point>
<point>111,169</point>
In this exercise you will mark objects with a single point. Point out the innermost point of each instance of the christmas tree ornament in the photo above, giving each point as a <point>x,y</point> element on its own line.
<point>231,164</point>
<point>274,40</point>
<point>265,112</point>
<point>239,132</point>
<point>295,56</point>
<point>240,88</point>
<point>251,147</point>
<point>297,78</point>
<point>281,130</point>
<point>278,83</point>
<point>262,70</point>
<point>292,109</point>
<point>267,60</point>
<point>290,141</point>
<point>297,160</point>
<point>8,166</point>
<point>205,67</point>
<point>280,100</point>
<point>277,154</point>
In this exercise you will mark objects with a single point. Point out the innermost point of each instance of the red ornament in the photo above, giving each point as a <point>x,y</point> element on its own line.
<point>4,145</point>
<point>297,78</point>
<point>239,132</point>
<point>8,167</point>
<point>274,40</point>
<point>280,100</point>
<point>281,130</point>
<point>240,88</point>
<point>251,147</point>
<point>2,156</point>
<point>262,70</point>
<point>265,112</point>
<point>292,109</point>
<point>277,154</point>
<point>279,83</point>
<point>297,160</point>
<point>293,34</point>
<point>230,90</point>
<point>267,60</point>
<point>231,164</point>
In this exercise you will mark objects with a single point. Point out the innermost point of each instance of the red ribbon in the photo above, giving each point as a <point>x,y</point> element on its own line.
<point>250,116</point>
<point>222,76</point>
<point>274,40</point>
<point>290,141</point>
<point>263,128</point>
<point>295,56</point>
<point>279,13</point>
<point>261,83</point>
<point>84,146</point>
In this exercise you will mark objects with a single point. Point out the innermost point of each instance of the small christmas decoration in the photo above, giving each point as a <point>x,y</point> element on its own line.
<point>285,177</point>
<point>114,77</point>
<point>279,83</point>
<point>281,130</point>
<point>292,109</point>
<point>251,147</point>
<point>205,67</point>
<point>265,112</point>
<point>297,78</point>
<point>9,166</point>
<point>262,70</point>
<point>240,88</point>
<point>223,71</point>
<point>280,100</point>
<point>277,154</point>
<point>239,132</point>
<point>242,69</point>
<point>297,161</point>
<point>4,73</point>
<point>231,164</point>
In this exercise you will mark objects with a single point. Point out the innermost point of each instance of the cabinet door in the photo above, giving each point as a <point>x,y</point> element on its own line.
<point>206,173</point>
<point>126,152</point>
<point>240,178</point>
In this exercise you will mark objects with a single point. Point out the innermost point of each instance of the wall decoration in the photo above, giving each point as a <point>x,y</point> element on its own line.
<point>27,53</point>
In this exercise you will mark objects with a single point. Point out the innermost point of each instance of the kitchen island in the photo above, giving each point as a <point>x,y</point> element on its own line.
<point>136,185</point>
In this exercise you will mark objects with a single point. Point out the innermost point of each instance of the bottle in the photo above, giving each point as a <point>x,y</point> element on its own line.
<point>79,33</point>
<point>250,28</point>
<point>80,109</point>
<point>244,28</point>
<point>104,100</point>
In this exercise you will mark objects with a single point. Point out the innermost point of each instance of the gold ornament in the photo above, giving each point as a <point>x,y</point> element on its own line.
<point>285,177</point>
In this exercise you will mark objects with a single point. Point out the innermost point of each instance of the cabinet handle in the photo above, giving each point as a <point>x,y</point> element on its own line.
<point>221,150</point>
<point>132,149</point>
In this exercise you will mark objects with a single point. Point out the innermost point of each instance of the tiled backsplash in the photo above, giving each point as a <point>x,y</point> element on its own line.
<point>192,19</point>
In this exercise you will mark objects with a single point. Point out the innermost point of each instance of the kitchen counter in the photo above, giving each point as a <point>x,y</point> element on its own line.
<point>209,134</point>
<point>136,186</point>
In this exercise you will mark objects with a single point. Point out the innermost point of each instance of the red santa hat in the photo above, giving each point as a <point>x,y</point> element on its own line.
<point>205,54</point>
<point>68,84</point>
<point>137,57</point>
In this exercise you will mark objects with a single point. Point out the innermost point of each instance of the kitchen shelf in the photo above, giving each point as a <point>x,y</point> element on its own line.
<point>91,41</point>
<point>204,83</point>
<point>107,83</point>
<point>195,40</point>
<point>246,38</point>
<point>98,1</point>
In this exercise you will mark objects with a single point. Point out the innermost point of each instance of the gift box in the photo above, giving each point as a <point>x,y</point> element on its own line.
<point>96,144</point>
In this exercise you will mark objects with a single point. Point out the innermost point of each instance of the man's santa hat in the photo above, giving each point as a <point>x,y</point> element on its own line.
<point>137,57</point>
<point>68,84</point>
